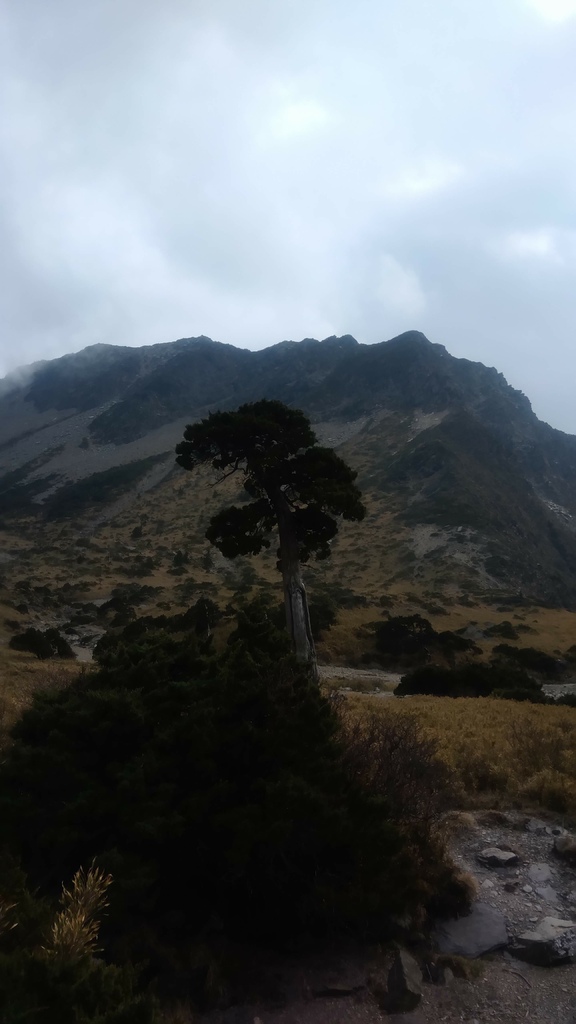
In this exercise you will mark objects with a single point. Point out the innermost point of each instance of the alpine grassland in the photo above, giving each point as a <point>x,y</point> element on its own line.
<point>502,753</point>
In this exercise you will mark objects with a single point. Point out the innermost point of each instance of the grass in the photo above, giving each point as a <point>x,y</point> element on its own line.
<point>22,675</point>
<point>503,754</point>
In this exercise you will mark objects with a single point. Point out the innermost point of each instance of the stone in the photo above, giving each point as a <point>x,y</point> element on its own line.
<point>480,932</point>
<point>512,885</point>
<point>540,872</point>
<point>404,991</point>
<point>493,857</point>
<point>527,888</point>
<point>438,973</point>
<point>552,942</point>
<point>487,883</point>
<point>536,826</point>
<point>546,892</point>
<point>565,848</point>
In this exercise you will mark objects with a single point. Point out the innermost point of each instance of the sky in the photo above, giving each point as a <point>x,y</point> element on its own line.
<point>256,170</point>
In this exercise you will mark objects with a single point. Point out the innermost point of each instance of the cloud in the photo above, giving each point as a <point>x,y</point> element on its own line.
<point>259,171</point>
<point>554,10</point>
<point>295,119</point>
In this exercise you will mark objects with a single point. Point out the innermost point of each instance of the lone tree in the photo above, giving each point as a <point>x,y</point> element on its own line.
<point>296,486</point>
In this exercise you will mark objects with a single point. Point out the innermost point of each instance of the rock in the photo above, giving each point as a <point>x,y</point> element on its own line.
<point>404,990</point>
<point>565,848</point>
<point>482,931</point>
<point>438,973</point>
<point>492,818</point>
<point>536,826</point>
<point>493,857</point>
<point>546,892</point>
<point>552,942</point>
<point>527,888</point>
<point>540,872</point>
<point>487,883</point>
<point>512,885</point>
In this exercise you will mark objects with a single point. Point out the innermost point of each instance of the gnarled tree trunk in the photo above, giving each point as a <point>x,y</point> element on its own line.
<point>295,599</point>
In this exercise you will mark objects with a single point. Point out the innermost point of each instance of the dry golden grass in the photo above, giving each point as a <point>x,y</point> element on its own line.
<point>504,753</point>
<point>22,675</point>
<point>74,932</point>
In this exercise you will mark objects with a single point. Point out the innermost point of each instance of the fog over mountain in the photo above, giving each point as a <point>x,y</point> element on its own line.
<point>264,171</point>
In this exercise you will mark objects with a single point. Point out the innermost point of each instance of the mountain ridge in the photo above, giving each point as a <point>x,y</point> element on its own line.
<point>439,441</point>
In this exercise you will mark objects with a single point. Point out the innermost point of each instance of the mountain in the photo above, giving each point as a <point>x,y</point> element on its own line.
<point>466,488</point>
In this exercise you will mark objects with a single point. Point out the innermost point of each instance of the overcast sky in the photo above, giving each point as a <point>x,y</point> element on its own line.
<point>256,170</point>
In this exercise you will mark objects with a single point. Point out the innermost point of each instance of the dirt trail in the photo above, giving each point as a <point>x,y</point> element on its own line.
<point>385,681</point>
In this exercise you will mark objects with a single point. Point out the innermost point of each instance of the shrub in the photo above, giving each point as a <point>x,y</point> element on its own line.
<point>44,644</point>
<point>405,635</point>
<point>218,788</point>
<point>530,659</point>
<point>59,978</point>
<point>471,681</point>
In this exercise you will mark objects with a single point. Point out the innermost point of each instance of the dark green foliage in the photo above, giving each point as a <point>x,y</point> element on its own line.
<point>276,450</point>
<point>75,498</point>
<point>212,789</point>
<point>567,699</point>
<point>411,638</point>
<point>87,991</point>
<point>471,681</point>
<point>530,659</point>
<point>405,635</point>
<point>44,644</point>
<point>323,612</point>
<point>504,629</point>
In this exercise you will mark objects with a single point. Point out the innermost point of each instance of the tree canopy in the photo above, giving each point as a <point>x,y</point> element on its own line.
<point>297,487</point>
<point>278,453</point>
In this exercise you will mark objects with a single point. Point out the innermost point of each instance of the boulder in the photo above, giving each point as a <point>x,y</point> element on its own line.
<point>483,930</point>
<point>565,848</point>
<point>404,990</point>
<point>536,826</point>
<point>552,942</point>
<point>493,857</point>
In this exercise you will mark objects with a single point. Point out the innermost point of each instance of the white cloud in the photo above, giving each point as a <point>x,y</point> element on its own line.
<point>554,10</point>
<point>298,118</point>
<point>258,171</point>
<point>539,243</point>
<point>422,179</point>
<point>398,288</point>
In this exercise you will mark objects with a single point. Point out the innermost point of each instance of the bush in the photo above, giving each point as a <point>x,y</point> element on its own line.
<point>471,681</point>
<point>217,789</point>
<point>48,971</point>
<point>530,659</point>
<point>44,644</point>
<point>405,635</point>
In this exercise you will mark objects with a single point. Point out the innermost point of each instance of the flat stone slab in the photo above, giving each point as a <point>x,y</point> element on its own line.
<point>480,932</point>
<point>493,857</point>
<point>540,873</point>
<point>546,892</point>
<point>552,942</point>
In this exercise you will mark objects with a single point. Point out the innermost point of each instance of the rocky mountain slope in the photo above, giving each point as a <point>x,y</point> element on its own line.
<point>466,488</point>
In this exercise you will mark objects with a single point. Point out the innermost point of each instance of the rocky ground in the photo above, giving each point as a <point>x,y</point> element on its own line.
<point>520,883</point>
